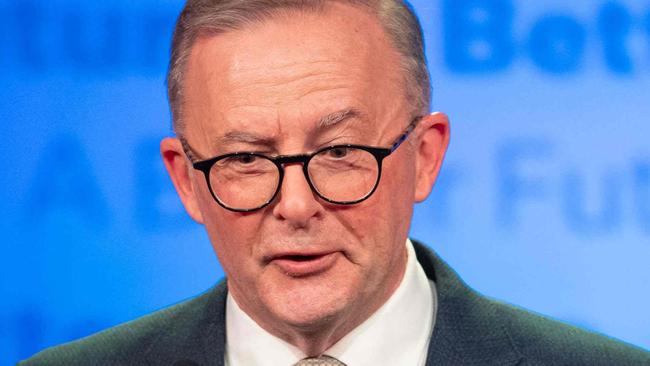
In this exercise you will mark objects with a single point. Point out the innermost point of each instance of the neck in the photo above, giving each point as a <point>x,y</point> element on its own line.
<point>316,338</point>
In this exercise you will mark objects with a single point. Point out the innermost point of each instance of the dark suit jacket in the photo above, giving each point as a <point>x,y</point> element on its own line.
<point>469,330</point>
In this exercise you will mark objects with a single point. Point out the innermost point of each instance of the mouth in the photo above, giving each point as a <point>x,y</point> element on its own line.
<point>302,265</point>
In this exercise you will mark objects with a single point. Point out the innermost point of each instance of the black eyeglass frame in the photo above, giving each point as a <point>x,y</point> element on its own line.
<point>380,153</point>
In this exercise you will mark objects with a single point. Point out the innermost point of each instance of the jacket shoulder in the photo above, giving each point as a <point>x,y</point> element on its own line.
<point>543,341</point>
<point>158,337</point>
<point>474,329</point>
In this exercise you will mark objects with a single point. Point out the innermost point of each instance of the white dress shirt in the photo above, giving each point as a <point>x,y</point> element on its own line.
<point>397,333</point>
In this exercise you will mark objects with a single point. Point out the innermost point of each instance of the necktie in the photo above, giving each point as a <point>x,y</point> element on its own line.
<point>323,360</point>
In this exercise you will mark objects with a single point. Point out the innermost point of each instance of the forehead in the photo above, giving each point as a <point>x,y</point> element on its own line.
<point>291,70</point>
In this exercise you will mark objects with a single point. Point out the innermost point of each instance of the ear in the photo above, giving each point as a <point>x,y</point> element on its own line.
<point>179,168</point>
<point>430,151</point>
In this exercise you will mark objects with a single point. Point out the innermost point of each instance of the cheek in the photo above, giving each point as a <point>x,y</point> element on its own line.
<point>393,206</point>
<point>395,195</point>
<point>215,218</point>
<point>233,243</point>
<point>380,226</point>
<point>230,233</point>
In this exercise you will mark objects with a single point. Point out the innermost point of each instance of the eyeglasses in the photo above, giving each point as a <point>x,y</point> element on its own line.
<point>339,174</point>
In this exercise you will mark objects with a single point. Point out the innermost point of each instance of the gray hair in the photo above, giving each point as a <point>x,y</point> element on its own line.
<point>213,17</point>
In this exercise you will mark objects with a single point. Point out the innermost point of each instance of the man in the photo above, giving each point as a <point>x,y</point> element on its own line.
<point>303,141</point>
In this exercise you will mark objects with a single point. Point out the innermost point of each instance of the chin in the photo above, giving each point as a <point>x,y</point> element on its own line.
<point>310,320</point>
<point>309,308</point>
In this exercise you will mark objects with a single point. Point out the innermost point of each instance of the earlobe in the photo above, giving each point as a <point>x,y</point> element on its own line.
<point>430,152</point>
<point>179,171</point>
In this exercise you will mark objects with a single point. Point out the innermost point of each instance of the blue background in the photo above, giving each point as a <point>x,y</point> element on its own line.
<point>543,201</point>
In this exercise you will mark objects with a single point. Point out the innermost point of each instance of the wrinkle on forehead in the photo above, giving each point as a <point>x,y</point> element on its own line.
<point>339,123</point>
<point>272,74</point>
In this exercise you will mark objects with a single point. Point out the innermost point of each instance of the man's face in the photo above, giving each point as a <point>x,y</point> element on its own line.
<point>300,262</point>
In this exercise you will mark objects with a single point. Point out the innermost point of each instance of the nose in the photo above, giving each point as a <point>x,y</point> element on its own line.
<point>296,203</point>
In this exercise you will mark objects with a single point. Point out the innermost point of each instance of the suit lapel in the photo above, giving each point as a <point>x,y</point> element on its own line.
<point>466,330</point>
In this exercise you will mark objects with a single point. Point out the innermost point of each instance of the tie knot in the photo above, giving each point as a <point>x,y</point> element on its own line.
<point>323,360</point>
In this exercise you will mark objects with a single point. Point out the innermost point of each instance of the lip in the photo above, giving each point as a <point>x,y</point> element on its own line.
<point>304,264</point>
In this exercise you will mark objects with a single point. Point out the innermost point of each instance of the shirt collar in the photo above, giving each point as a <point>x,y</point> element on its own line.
<point>396,334</point>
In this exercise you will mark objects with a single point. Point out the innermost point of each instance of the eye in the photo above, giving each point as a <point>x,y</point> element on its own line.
<point>241,161</point>
<point>338,152</point>
<point>245,159</point>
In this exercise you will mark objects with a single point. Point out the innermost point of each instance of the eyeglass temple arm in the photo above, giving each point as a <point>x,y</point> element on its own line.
<point>406,133</point>
<point>191,155</point>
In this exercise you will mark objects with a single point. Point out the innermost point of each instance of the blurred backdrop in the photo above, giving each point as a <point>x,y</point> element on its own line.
<point>543,201</point>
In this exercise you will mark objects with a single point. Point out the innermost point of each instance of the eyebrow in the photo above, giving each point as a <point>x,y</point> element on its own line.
<point>334,118</point>
<point>245,137</point>
<point>248,137</point>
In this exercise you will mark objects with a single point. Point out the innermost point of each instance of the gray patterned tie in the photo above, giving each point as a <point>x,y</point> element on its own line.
<point>323,360</point>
